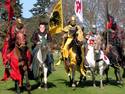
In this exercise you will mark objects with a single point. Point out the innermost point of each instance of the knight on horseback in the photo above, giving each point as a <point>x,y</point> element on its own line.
<point>113,48</point>
<point>16,54</point>
<point>95,58</point>
<point>42,60</point>
<point>71,48</point>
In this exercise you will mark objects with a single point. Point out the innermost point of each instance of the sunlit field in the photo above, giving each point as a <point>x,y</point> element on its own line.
<point>58,84</point>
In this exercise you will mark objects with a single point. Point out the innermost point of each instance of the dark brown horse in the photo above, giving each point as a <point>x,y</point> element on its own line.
<point>24,57</point>
<point>114,52</point>
<point>18,59</point>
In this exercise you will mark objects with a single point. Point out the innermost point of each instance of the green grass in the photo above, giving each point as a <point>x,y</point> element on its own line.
<point>58,84</point>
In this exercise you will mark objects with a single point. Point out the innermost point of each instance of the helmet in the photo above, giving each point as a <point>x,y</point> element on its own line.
<point>19,23</point>
<point>18,20</point>
<point>73,20</point>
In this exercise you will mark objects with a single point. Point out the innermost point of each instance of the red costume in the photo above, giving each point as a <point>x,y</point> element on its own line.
<point>9,55</point>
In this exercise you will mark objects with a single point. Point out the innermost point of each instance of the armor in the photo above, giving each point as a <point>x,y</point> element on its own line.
<point>71,32</point>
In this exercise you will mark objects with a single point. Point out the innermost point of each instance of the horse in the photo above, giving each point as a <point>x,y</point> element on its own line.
<point>41,67</point>
<point>95,60</point>
<point>114,53</point>
<point>74,60</point>
<point>115,60</point>
<point>17,63</point>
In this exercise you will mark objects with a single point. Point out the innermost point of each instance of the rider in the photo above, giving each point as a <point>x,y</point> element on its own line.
<point>17,32</point>
<point>70,31</point>
<point>42,36</point>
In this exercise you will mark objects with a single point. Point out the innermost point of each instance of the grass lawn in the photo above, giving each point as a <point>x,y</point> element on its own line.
<point>58,84</point>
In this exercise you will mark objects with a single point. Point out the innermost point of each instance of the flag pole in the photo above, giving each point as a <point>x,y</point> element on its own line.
<point>107,19</point>
<point>62,13</point>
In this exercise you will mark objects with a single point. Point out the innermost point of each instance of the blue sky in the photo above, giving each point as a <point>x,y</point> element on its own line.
<point>27,5</point>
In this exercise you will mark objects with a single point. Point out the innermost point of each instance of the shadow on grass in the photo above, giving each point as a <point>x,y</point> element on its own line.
<point>33,87</point>
<point>50,85</point>
<point>89,83</point>
<point>63,81</point>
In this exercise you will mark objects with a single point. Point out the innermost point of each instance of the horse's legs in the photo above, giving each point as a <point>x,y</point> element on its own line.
<point>118,74</point>
<point>82,78</point>
<point>93,76</point>
<point>101,70</point>
<point>106,73</point>
<point>17,87</point>
<point>73,75</point>
<point>45,69</point>
<point>28,87</point>
<point>70,79</point>
<point>66,64</point>
<point>123,75</point>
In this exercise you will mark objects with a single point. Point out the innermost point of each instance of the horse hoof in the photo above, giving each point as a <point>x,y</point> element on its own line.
<point>29,92</point>
<point>84,79</point>
<point>39,87</point>
<point>94,85</point>
<point>78,82</point>
<point>73,86</point>
<point>102,87</point>
<point>46,89</point>
<point>119,82</point>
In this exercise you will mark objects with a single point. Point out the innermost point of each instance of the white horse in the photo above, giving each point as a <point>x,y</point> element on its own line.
<point>40,64</point>
<point>96,61</point>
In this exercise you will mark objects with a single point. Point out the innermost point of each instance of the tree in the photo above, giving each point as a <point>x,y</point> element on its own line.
<point>40,7</point>
<point>18,9</point>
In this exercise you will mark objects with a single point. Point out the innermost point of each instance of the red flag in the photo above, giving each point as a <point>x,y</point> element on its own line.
<point>110,22</point>
<point>79,10</point>
<point>9,8</point>
<point>5,49</point>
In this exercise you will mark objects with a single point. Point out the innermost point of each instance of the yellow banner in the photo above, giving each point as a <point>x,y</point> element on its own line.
<point>56,19</point>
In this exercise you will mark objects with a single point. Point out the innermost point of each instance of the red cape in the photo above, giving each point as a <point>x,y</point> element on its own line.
<point>14,72</point>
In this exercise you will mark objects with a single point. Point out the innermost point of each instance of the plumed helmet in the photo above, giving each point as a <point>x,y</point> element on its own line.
<point>19,23</point>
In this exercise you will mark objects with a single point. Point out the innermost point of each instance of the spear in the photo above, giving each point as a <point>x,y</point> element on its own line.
<point>107,19</point>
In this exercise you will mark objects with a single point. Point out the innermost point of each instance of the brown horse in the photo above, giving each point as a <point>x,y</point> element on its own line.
<point>18,60</point>
<point>24,56</point>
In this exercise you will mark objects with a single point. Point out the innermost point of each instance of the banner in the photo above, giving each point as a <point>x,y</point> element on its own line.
<point>10,11</point>
<point>56,19</point>
<point>79,10</point>
<point>9,8</point>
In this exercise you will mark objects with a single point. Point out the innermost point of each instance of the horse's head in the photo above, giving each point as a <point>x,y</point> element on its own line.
<point>20,40</point>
